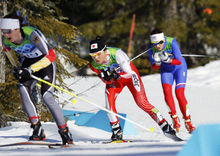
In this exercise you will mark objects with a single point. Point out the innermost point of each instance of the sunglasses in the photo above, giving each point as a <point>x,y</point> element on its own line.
<point>96,54</point>
<point>6,31</point>
<point>157,43</point>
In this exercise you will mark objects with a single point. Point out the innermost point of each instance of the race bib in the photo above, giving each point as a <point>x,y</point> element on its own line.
<point>27,50</point>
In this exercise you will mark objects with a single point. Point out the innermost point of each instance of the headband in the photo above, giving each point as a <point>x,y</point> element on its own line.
<point>156,37</point>
<point>9,23</point>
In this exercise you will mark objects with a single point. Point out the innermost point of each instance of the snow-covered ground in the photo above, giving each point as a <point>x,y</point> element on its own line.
<point>202,92</point>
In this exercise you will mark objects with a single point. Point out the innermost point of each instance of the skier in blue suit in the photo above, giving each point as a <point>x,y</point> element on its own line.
<point>167,57</point>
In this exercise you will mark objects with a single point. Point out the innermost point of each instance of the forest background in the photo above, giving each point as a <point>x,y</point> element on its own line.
<point>69,25</point>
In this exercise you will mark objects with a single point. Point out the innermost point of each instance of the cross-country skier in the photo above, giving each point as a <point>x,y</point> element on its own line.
<point>167,57</point>
<point>39,60</point>
<point>113,67</point>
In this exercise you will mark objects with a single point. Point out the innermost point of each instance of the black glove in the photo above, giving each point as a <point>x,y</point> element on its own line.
<point>22,74</point>
<point>15,72</point>
<point>107,74</point>
<point>116,76</point>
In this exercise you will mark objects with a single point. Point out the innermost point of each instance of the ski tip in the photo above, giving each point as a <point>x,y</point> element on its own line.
<point>152,129</point>
<point>173,137</point>
<point>117,141</point>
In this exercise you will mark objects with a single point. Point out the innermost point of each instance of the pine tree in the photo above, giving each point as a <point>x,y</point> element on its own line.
<point>2,56</point>
<point>2,66</point>
<point>196,30</point>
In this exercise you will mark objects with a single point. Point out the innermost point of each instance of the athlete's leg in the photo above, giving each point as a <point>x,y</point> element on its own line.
<point>27,100</point>
<point>25,89</point>
<point>167,82</point>
<point>48,74</point>
<point>111,93</point>
<point>180,77</point>
<point>137,89</point>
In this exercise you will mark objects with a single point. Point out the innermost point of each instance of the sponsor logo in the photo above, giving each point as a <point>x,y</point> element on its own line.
<point>36,39</point>
<point>136,82</point>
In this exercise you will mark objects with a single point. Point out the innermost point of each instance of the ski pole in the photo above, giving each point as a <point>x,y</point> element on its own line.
<point>195,55</point>
<point>145,51</point>
<point>67,100</point>
<point>102,108</point>
<point>140,54</point>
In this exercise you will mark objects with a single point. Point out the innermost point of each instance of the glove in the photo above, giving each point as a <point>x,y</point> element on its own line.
<point>116,75</point>
<point>156,57</point>
<point>164,57</point>
<point>22,74</point>
<point>107,74</point>
<point>15,72</point>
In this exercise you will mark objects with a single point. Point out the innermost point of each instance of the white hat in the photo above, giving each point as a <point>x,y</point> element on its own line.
<point>156,37</point>
<point>9,23</point>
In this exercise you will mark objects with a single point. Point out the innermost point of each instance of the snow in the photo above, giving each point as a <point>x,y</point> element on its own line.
<point>202,93</point>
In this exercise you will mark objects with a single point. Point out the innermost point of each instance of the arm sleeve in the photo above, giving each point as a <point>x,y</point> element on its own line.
<point>123,60</point>
<point>38,39</point>
<point>150,54</point>
<point>177,53</point>
<point>156,67</point>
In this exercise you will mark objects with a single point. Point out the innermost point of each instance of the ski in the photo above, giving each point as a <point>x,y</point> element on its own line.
<point>116,141</point>
<point>59,146</point>
<point>173,137</point>
<point>52,146</point>
<point>55,146</point>
<point>31,143</point>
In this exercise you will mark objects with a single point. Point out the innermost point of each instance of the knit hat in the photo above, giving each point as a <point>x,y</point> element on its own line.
<point>97,45</point>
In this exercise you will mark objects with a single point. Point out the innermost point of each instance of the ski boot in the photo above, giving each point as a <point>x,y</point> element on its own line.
<point>66,136</point>
<point>116,132</point>
<point>38,132</point>
<point>167,129</point>
<point>190,128</point>
<point>176,122</point>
